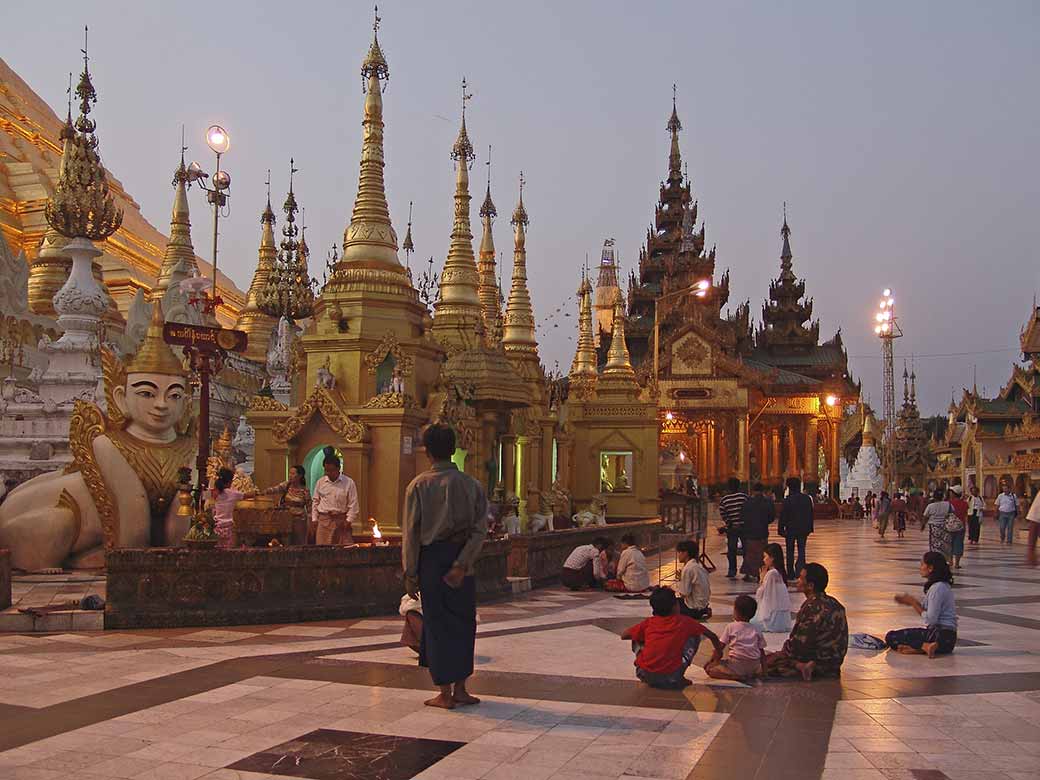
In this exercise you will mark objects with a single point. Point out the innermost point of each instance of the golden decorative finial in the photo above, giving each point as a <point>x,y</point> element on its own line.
<point>618,360</point>
<point>488,209</point>
<point>457,314</point>
<point>370,237</point>
<point>154,355</point>
<point>408,246</point>
<point>179,255</point>
<point>584,364</point>
<point>82,206</point>
<point>519,335</point>
<point>520,213</point>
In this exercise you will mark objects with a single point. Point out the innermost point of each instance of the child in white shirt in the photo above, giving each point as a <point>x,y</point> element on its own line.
<point>742,654</point>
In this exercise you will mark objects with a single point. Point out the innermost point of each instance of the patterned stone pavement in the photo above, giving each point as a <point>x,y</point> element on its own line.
<point>342,699</point>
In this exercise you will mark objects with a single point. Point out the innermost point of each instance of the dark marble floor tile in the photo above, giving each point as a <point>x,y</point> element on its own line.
<point>327,754</point>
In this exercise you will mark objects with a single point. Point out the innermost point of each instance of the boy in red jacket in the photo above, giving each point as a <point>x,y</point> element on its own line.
<point>666,643</point>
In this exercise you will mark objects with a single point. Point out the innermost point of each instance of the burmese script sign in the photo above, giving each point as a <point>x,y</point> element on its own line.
<point>204,337</point>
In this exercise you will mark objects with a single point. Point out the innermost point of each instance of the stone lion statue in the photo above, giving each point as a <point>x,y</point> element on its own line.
<point>542,520</point>
<point>594,514</point>
<point>123,476</point>
<point>510,516</point>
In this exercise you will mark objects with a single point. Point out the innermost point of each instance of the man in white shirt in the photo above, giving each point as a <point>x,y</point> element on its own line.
<point>694,588</point>
<point>335,504</point>
<point>584,566</point>
<point>976,507</point>
<point>1007,508</point>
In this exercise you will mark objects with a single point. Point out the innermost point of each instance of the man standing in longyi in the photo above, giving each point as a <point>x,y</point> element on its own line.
<point>444,526</point>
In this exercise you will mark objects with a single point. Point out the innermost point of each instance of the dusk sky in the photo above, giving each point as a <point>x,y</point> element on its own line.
<point>903,136</point>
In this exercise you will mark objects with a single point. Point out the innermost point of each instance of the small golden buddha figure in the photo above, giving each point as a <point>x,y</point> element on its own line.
<point>119,489</point>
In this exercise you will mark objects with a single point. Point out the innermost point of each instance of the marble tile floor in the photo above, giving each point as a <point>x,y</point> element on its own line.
<point>331,699</point>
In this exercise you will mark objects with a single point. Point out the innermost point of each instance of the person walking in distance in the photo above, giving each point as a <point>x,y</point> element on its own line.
<point>1007,508</point>
<point>444,527</point>
<point>976,508</point>
<point>335,505</point>
<point>731,507</point>
<point>796,523</point>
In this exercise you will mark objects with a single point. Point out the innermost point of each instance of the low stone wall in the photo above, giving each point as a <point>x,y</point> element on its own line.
<point>5,579</point>
<point>541,556</point>
<point>169,587</point>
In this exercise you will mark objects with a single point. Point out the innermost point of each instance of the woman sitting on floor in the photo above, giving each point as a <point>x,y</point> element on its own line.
<point>586,567</point>
<point>774,602</point>
<point>939,610</point>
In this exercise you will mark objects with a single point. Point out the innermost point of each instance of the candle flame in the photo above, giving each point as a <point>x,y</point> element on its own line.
<point>376,533</point>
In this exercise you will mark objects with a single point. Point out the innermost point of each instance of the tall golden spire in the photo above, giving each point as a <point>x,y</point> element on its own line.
<point>619,364</point>
<point>82,205</point>
<point>488,290</point>
<point>370,238</point>
<point>458,310</point>
<point>255,323</point>
<point>180,254</point>
<point>519,339</point>
<point>584,365</point>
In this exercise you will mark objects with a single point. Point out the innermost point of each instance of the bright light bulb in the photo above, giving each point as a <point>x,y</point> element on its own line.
<point>879,316</point>
<point>887,292</point>
<point>877,328</point>
<point>832,400</point>
<point>669,416</point>
<point>218,140</point>
<point>703,284</point>
<point>891,302</point>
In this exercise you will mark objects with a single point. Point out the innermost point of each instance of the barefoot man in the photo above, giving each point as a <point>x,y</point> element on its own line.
<point>445,523</point>
<point>820,637</point>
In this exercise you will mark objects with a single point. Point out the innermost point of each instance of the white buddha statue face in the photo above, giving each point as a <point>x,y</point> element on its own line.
<point>153,404</point>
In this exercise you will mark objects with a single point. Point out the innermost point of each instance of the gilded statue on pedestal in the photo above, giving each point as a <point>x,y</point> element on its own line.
<point>119,489</point>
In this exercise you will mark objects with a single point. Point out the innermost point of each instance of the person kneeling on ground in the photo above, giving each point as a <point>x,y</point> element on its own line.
<point>694,586</point>
<point>743,651</point>
<point>586,566</point>
<point>820,636</point>
<point>938,609</point>
<point>666,642</point>
<point>632,576</point>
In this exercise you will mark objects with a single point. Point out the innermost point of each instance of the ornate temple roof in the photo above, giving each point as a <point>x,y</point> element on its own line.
<point>30,154</point>
<point>785,315</point>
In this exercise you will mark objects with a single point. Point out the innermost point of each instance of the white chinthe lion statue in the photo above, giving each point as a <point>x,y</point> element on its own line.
<point>595,514</point>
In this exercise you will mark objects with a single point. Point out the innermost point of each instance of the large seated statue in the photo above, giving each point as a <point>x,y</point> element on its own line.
<point>118,490</point>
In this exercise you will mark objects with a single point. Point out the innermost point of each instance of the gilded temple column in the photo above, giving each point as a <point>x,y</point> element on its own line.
<point>832,459</point>
<point>702,457</point>
<point>523,471</point>
<point>711,436</point>
<point>812,451</point>
<point>792,453</point>
<point>774,453</point>
<point>724,469</point>
<point>509,463</point>
<point>742,448</point>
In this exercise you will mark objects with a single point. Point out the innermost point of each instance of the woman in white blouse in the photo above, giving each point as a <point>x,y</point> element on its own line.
<point>774,602</point>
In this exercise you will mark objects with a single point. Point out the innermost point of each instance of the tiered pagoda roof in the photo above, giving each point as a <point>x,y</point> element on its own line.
<point>785,315</point>
<point>672,258</point>
<point>911,439</point>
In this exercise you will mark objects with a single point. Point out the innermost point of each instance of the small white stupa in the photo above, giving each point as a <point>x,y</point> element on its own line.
<point>866,471</point>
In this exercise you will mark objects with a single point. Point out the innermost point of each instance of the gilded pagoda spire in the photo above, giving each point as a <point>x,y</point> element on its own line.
<point>488,291</point>
<point>673,127</point>
<point>82,205</point>
<point>255,323</point>
<point>618,361</point>
<point>179,256</point>
<point>458,310</point>
<point>370,236</point>
<point>786,256</point>
<point>584,365</point>
<point>787,315</point>
<point>519,337</point>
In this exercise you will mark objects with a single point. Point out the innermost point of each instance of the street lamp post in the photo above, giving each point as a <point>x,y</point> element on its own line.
<point>699,289</point>
<point>217,195</point>
<point>887,328</point>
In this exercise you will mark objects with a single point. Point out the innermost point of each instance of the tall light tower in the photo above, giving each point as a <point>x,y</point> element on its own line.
<point>887,329</point>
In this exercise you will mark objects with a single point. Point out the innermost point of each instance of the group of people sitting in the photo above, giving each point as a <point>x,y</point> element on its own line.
<point>594,565</point>
<point>666,643</point>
